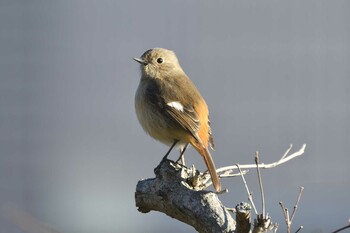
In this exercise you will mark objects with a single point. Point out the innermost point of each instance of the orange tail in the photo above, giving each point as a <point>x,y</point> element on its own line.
<point>204,152</point>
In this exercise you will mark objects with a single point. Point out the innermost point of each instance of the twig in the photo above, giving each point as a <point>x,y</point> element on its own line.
<point>262,222</point>
<point>287,151</point>
<point>342,228</point>
<point>233,174</point>
<point>260,184</point>
<point>286,216</point>
<point>250,198</point>
<point>226,171</point>
<point>289,219</point>
<point>296,203</point>
<point>301,227</point>
<point>206,180</point>
<point>283,159</point>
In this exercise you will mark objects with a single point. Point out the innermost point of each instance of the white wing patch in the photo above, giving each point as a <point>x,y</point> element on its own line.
<point>176,105</point>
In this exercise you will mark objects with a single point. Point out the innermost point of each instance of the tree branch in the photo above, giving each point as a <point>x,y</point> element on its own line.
<point>289,219</point>
<point>243,219</point>
<point>179,192</point>
<point>171,193</point>
<point>229,169</point>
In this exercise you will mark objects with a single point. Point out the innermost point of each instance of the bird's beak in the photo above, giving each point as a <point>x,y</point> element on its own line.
<point>139,60</point>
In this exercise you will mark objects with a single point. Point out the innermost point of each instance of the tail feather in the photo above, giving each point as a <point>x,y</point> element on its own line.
<point>211,167</point>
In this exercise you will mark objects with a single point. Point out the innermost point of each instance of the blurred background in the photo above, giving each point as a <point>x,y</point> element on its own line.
<point>72,151</point>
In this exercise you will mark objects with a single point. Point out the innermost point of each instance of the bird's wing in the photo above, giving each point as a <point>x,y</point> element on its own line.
<point>185,116</point>
<point>175,111</point>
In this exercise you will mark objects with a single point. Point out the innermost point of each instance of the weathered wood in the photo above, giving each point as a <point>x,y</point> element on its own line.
<point>171,194</point>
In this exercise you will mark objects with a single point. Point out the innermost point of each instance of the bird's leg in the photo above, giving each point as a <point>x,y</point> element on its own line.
<point>167,153</point>
<point>182,155</point>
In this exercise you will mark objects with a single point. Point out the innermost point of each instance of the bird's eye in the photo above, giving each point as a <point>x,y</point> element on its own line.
<point>160,60</point>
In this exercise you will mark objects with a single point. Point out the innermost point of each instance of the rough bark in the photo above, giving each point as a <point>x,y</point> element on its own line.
<point>169,192</point>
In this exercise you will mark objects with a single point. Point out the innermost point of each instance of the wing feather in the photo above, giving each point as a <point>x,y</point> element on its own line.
<point>186,117</point>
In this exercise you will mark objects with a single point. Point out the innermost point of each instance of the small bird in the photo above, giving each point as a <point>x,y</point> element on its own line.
<point>170,108</point>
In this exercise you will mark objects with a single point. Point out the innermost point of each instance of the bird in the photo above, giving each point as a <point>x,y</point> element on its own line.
<point>170,108</point>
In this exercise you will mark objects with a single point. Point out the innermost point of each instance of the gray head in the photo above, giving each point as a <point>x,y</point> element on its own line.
<point>158,62</point>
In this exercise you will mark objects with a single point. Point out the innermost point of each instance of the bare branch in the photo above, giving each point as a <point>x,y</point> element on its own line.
<point>342,228</point>
<point>230,174</point>
<point>285,158</point>
<point>257,161</point>
<point>250,196</point>
<point>296,204</point>
<point>289,219</point>
<point>287,151</point>
<point>301,227</point>
<point>179,192</point>
<point>286,216</point>
<point>226,174</point>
